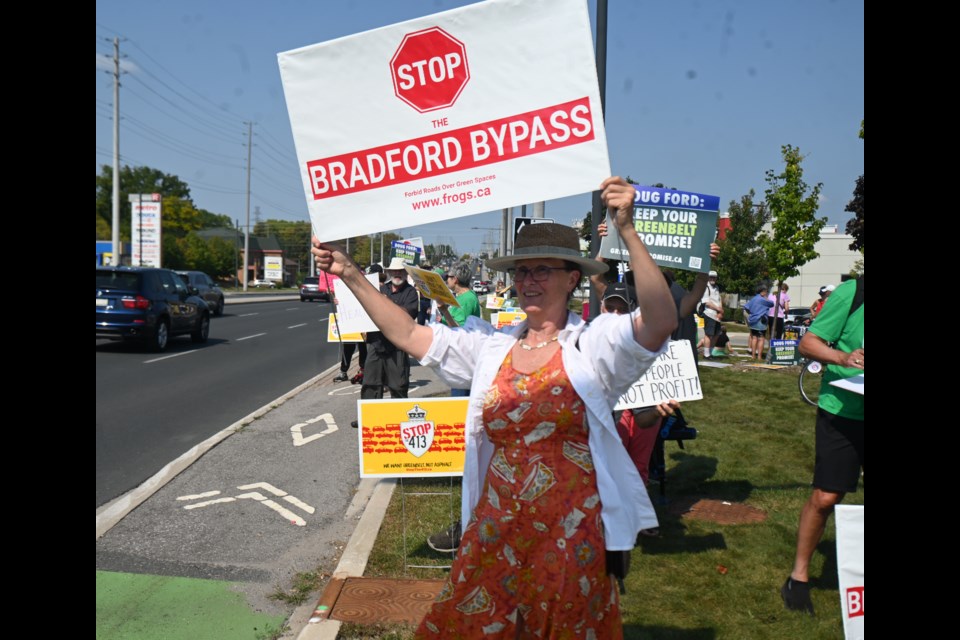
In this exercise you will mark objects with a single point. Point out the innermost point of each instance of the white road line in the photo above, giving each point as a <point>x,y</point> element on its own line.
<point>293,309</point>
<point>244,315</point>
<point>205,494</point>
<point>327,319</point>
<point>300,503</point>
<point>172,355</point>
<point>256,335</point>
<point>297,325</point>
<point>198,505</point>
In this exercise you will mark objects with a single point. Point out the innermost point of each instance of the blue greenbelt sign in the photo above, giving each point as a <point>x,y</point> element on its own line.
<point>676,226</point>
<point>408,252</point>
<point>784,352</point>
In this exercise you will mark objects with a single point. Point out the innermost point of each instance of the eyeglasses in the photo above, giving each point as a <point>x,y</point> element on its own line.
<point>539,274</point>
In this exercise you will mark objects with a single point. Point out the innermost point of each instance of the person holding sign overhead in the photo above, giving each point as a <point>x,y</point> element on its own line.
<point>547,483</point>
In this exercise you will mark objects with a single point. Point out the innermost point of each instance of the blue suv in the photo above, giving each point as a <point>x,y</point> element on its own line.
<point>150,305</point>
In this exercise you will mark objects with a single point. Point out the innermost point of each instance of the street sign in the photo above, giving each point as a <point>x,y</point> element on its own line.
<point>520,223</point>
<point>429,69</point>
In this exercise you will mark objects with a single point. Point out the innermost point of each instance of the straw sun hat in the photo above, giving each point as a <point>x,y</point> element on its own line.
<point>548,240</point>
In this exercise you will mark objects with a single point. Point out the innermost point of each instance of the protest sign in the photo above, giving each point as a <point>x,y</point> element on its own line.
<point>334,335</point>
<point>509,319</point>
<point>412,438</point>
<point>496,302</point>
<point>784,352</point>
<point>351,316</point>
<point>672,376</point>
<point>431,285</point>
<point>850,556</point>
<point>407,252</point>
<point>475,109</point>
<point>677,228</point>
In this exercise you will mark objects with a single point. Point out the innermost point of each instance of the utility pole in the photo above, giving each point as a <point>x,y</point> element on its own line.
<point>115,232</point>
<point>246,236</point>
<point>598,210</point>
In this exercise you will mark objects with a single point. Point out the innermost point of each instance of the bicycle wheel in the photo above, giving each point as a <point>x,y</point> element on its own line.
<point>811,376</point>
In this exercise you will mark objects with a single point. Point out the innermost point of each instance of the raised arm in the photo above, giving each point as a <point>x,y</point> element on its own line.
<point>658,317</point>
<point>393,321</point>
<point>690,301</point>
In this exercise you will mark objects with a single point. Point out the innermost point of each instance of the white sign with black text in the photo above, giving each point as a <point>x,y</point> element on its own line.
<point>672,376</point>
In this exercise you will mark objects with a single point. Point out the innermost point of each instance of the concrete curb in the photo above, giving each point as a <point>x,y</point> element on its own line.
<point>353,560</point>
<point>116,510</point>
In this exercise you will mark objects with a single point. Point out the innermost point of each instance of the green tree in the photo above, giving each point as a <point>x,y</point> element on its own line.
<point>855,224</point>
<point>741,264</point>
<point>293,236</point>
<point>134,180</point>
<point>795,227</point>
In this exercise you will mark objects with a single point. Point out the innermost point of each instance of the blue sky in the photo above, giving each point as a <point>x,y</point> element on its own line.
<point>700,95</point>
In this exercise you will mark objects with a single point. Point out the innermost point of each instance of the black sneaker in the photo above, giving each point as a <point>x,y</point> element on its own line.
<point>446,541</point>
<point>342,377</point>
<point>796,595</point>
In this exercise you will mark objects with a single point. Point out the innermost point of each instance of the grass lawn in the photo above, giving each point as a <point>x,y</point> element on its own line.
<point>699,580</point>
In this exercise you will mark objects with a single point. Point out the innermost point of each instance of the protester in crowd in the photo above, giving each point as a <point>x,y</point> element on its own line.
<point>756,312</point>
<point>776,318</point>
<point>684,301</point>
<point>347,350</point>
<point>458,279</point>
<point>817,306</point>
<point>426,304</point>
<point>721,344</point>
<point>386,365</point>
<point>712,313</point>
<point>836,340</point>
<point>557,484</point>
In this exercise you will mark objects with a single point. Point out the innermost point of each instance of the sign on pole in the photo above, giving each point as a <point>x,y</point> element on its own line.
<point>414,438</point>
<point>431,285</point>
<point>145,229</point>
<point>350,313</point>
<point>456,116</point>
<point>407,252</point>
<point>521,222</point>
<point>677,228</point>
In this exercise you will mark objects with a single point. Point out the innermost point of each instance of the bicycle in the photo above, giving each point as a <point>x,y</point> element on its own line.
<point>811,375</point>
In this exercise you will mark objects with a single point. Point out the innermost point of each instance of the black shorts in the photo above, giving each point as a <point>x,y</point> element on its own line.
<point>758,333</point>
<point>710,326</point>
<point>839,453</point>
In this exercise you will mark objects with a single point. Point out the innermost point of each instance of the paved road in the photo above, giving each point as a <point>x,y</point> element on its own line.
<point>151,408</point>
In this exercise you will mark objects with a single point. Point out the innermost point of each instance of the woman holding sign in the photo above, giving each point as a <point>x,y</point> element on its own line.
<point>547,483</point>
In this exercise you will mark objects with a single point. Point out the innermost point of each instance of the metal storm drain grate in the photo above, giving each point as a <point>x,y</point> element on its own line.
<point>371,600</point>
<point>719,511</point>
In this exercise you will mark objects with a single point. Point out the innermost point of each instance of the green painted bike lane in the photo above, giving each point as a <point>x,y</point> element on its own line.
<point>134,607</point>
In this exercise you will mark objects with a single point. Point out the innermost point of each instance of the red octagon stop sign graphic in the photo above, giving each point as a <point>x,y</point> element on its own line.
<point>429,69</point>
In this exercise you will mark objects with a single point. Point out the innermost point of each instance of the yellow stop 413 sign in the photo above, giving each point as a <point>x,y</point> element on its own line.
<point>413,438</point>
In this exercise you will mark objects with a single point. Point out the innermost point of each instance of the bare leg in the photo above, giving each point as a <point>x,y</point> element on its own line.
<point>813,519</point>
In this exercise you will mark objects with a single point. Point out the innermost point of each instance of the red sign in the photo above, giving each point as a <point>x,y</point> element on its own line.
<point>429,69</point>
<point>854,602</point>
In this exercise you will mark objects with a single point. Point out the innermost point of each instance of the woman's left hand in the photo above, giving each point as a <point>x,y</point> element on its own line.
<point>618,196</point>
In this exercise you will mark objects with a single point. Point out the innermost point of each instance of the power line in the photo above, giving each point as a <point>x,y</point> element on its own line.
<point>211,124</point>
<point>216,110</point>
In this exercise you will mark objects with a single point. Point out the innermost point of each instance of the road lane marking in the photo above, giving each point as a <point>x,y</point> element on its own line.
<point>172,355</point>
<point>285,513</point>
<point>256,335</point>
<point>297,430</point>
<point>303,324</point>
<point>245,315</point>
<point>292,309</point>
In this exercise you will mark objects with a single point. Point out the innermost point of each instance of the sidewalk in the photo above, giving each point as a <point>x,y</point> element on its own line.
<point>152,553</point>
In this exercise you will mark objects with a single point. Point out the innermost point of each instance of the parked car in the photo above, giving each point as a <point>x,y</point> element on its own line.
<point>149,305</point>
<point>479,287</point>
<point>797,314</point>
<point>270,284</point>
<point>206,287</point>
<point>311,289</point>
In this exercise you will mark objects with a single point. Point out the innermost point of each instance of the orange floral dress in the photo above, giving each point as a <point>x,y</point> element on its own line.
<point>535,545</point>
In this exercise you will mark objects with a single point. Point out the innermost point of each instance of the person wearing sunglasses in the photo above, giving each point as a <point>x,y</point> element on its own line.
<point>547,484</point>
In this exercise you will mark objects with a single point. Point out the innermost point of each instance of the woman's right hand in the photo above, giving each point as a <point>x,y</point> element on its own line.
<point>330,258</point>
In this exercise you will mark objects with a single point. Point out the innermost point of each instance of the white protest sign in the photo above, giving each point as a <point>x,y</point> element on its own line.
<point>850,553</point>
<point>672,376</point>
<point>470,110</point>
<point>352,318</point>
